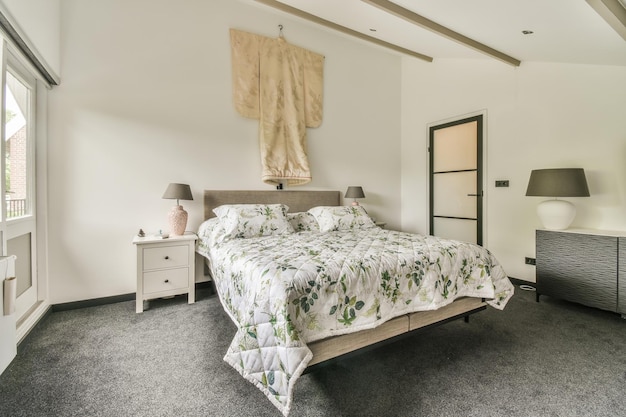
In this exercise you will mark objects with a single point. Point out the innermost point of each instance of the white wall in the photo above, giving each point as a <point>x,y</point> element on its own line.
<point>145,100</point>
<point>39,22</point>
<point>538,116</point>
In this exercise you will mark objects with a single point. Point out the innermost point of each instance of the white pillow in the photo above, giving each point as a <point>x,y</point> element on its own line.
<point>303,222</point>
<point>210,232</point>
<point>253,220</point>
<point>332,218</point>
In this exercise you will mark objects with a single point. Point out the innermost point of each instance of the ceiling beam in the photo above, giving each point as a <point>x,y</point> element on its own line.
<point>428,24</point>
<point>318,20</point>
<point>614,12</point>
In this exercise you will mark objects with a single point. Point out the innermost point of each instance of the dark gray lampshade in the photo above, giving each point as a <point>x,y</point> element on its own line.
<point>558,182</point>
<point>355,192</point>
<point>178,192</point>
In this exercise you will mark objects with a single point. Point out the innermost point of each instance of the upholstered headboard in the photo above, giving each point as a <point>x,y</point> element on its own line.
<point>296,200</point>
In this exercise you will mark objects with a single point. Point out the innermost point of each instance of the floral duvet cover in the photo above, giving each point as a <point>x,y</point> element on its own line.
<point>284,291</point>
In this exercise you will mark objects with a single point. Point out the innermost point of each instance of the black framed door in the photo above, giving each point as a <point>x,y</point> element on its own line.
<point>456,190</point>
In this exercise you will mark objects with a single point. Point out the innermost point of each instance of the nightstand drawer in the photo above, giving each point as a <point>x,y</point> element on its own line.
<point>170,279</point>
<point>165,257</point>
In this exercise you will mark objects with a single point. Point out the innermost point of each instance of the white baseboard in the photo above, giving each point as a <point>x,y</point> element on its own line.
<point>32,317</point>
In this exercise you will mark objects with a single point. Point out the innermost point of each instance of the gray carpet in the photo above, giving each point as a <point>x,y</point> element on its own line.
<point>533,359</point>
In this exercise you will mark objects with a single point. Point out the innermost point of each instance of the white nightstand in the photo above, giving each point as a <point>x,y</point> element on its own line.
<point>165,267</point>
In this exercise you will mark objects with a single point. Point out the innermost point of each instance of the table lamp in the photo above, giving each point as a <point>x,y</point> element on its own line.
<point>177,217</point>
<point>354,192</point>
<point>557,182</point>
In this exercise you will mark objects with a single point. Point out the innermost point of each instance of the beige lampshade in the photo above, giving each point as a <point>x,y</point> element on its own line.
<point>178,192</point>
<point>177,217</point>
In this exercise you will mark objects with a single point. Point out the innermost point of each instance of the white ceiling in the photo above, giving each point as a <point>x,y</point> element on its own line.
<point>565,31</point>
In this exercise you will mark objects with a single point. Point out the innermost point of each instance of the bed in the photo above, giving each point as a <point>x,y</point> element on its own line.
<point>307,280</point>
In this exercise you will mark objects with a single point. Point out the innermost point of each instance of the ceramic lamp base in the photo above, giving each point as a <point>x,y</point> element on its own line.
<point>556,214</point>
<point>177,218</point>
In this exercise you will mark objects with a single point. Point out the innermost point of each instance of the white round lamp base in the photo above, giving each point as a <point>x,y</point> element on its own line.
<point>556,214</point>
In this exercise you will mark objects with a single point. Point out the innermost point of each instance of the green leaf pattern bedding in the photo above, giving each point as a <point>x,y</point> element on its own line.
<point>283,291</point>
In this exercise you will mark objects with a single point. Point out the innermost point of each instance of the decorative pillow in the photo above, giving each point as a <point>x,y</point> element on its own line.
<point>341,218</point>
<point>253,220</point>
<point>210,232</point>
<point>303,222</point>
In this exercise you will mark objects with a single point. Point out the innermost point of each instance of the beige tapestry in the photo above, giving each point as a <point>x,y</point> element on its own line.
<point>281,85</point>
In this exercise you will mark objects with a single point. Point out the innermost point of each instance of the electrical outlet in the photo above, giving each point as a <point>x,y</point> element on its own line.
<point>530,261</point>
<point>502,183</point>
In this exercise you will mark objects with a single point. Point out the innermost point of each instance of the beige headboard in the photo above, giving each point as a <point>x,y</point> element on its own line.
<point>296,200</point>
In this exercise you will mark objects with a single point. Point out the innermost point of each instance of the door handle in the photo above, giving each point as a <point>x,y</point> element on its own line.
<point>476,195</point>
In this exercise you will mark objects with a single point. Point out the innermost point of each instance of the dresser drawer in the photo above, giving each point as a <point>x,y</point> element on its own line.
<point>165,257</point>
<point>166,280</point>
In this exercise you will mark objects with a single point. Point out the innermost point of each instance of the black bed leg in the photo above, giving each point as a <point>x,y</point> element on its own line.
<point>537,297</point>
<point>466,318</point>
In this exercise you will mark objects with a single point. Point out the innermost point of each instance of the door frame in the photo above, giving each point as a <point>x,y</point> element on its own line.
<point>39,198</point>
<point>481,118</point>
<point>26,225</point>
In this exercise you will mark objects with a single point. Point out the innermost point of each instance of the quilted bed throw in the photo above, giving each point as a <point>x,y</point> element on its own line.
<point>287,290</point>
<point>280,85</point>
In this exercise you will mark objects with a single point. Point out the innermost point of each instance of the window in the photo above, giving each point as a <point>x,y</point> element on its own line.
<point>18,180</point>
<point>20,220</point>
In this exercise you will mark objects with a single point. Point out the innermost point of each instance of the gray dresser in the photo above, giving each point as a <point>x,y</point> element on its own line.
<point>583,266</point>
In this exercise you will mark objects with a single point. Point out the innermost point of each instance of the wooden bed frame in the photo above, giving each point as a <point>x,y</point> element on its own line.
<point>332,347</point>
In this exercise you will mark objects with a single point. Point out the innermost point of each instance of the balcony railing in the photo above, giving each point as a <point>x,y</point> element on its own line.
<point>16,208</point>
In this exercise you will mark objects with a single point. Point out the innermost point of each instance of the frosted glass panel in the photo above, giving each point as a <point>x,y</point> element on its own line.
<point>451,198</point>
<point>464,230</point>
<point>20,247</point>
<point>455,148</point>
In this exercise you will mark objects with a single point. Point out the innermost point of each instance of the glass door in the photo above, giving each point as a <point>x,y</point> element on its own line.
<point>456,191</point>
<point>19,181</point>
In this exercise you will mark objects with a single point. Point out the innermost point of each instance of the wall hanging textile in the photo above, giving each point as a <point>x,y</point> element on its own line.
<point>280,85</point>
